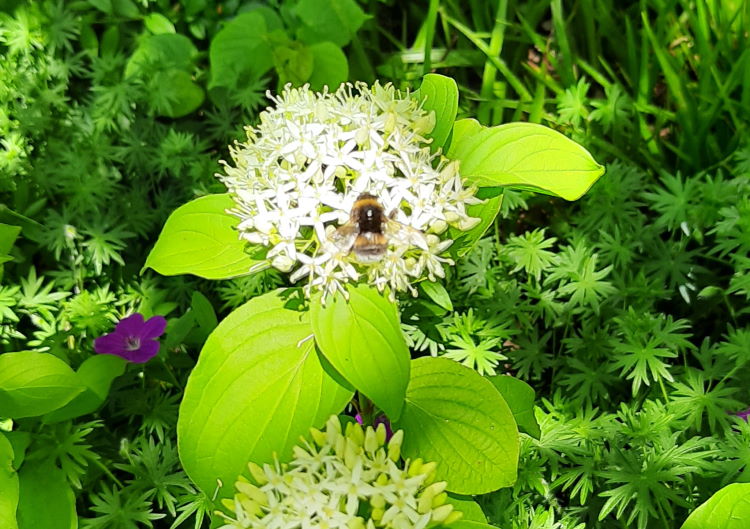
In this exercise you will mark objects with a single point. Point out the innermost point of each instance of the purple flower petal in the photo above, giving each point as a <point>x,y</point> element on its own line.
<point>112,344</point>
<point>153,328</point>
<point>144,353</point>
<point>130,326</point>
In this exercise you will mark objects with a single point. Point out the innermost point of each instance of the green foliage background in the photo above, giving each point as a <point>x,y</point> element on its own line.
<point>626,311</point>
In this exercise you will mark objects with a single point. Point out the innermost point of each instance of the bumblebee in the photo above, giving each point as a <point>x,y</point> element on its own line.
<point>366,233</point>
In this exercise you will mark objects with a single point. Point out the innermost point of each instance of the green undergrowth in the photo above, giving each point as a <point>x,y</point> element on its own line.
<point>627,312</point>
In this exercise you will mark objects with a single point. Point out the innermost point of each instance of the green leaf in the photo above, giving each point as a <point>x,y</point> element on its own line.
<point>471,509</point>
<point>440,95</point>
<point>520,399</point>
<point>469,524</point>
<point>437,293</point>
<point>240,49</point>
<point>330,67</point>
<point>8,236</point>
<point>329,20</point>
<point>182,97</point>
<point>523,155</point>
<point>203,311</point>
<point>158,24</point>
<point>46,499</point>
<point>362,339</point>
<point>457,418</point>
<point>33,384</point>
<point>257,387</point>
<point>96,373</point>
<point>167,51</point>
<point>8,485</point>
<point>464,241</point>
<point>200,238</point>
<point>729,508</point>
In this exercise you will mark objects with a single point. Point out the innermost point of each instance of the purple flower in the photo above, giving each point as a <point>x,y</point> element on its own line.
<point>743,414</point>
<point>134,339</point>
<point>378,420</point>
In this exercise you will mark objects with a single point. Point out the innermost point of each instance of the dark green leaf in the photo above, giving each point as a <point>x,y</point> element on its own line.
<point>520,398</point>
<point>437,293</point>
<point>96,373</point>
<point>329,20</point>
<point>46,499</point>
<point>240,49</point>
<point>8,485</point>
<point>330,67</point>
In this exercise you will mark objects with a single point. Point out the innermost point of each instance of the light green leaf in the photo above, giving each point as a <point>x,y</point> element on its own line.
<point>520,398</point>
<point>257,387</point>
<point>33,384</point>
<point>524,155</point>
<point>240,50</point>
<point>157,24</point>
<point>729,508</point>
<point>363,341</point>
<point>440,95</point>
<point>464,241</point>
<point>457,418</point>
<point>330,66</point>
<point>46,499</point>
<point>96,373</point>
<point>200,238</point>
<point>329,20</point>
<point>8,486</point>
<point>471,509</point>
<point>470,524</point>
<point>437,293</point>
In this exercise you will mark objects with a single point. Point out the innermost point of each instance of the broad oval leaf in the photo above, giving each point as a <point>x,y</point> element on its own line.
<point>523,155</point>
<point>46,501</point>
<point>729,508</point>
<point>258,385</point>
<point>520,398</point>
<point>362,340</point>
<point>200,238</point>
<point>440,95</point>
<point>334,21</point>
<point>166,51</point>
<point>8,486</point>
<point>330,67</point>
<point>457,418</point>
<point>471,510</point>
<point>33,384</point>
<point>96,373</point>
<point>240,49</point>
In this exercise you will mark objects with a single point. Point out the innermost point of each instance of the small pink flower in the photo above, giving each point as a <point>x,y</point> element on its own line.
<point>133,339</point>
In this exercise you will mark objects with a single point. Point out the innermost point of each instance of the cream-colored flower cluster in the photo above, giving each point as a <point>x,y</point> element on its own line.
<point>298,175</point>
<point>342,481</point>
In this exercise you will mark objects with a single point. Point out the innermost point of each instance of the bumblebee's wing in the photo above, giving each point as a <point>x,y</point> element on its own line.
<point>411,236</point>
<point>343,238</point>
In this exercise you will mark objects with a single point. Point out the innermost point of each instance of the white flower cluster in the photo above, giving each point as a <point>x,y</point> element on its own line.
<point>342,481</point>
<point>300,172</point>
